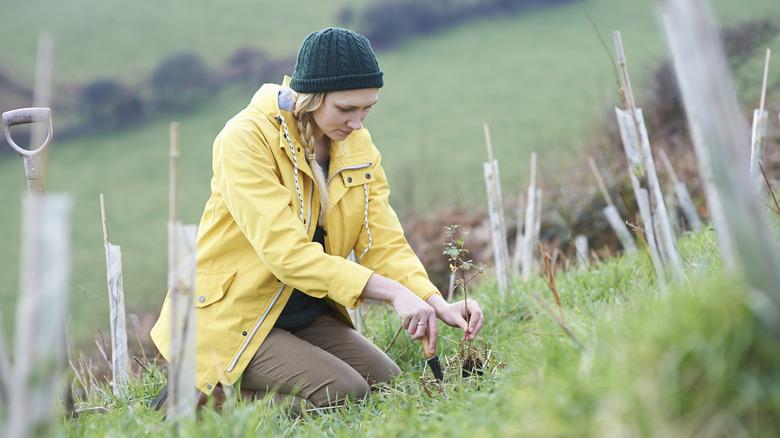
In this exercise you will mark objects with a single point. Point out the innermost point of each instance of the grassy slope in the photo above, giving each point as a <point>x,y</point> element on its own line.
<point>126,39</point>
<point>692,363</point>
<point>515,73</point>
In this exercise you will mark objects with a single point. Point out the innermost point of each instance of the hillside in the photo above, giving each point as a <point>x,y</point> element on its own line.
<point>542,81</point>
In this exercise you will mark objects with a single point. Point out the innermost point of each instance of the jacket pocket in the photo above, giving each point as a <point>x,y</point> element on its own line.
<point>211,286</point>
<point>358,177</point>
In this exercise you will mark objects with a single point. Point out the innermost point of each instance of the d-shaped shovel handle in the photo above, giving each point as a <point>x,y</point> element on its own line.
<point>25,116</point>
<point>33,160</point>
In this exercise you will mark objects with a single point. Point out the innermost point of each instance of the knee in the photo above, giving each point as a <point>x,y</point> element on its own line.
<point>352,387</point>
<point>382,370</point>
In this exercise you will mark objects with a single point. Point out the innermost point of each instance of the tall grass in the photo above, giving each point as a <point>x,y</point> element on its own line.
<point>694,362</point>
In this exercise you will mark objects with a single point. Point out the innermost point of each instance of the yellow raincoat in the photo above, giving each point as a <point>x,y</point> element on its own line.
<point>255,238</point>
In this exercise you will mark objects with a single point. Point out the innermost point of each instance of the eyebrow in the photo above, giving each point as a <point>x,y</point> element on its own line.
<point>353,106</point>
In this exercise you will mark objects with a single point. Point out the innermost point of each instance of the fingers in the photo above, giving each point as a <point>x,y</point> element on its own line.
<point>475,315</point>
<point>478,327</point>
<point>421,327</point>
<point>412,325</point>
<point>405,320</point>
<point>476,319</point>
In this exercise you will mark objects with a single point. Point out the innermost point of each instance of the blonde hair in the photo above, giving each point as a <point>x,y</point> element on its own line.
<point>305,105</point>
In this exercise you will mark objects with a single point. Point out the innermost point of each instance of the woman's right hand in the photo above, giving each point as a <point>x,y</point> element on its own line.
<point>417,317</point>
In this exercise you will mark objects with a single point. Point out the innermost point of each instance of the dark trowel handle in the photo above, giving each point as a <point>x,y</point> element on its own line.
<point>432,359</point>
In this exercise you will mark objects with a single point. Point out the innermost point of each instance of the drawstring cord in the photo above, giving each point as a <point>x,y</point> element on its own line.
<point>365,223</point>
<point>295,163</point>
<point>300,195</point>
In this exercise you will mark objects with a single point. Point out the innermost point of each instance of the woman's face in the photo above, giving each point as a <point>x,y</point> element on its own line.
<point>342,112</point>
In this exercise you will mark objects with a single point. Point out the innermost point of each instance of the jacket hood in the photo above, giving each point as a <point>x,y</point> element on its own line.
<point>273,100</point>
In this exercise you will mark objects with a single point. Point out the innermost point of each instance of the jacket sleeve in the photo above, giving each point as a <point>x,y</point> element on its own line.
<point>261,206</point>
<point>390,254</point>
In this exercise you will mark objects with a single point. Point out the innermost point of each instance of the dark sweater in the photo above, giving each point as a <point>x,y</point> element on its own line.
<point>302,309</point>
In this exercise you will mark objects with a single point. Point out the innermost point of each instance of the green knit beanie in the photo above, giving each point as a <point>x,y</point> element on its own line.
<point>335,59</point>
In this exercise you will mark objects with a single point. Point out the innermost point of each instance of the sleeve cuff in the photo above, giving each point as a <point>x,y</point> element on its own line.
<point>348,284</point>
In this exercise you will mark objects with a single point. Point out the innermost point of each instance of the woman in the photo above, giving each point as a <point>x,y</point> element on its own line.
<point>297,186</point>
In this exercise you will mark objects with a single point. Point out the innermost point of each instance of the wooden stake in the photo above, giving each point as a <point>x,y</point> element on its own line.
<point>619,227</point>
<point>120,362</point>
<point>181,288</point>
<point>600,181</point>
<point>763,84</point>
<point>642,168</point>
<point>517,257</point>
<point>44,68</point>
<point>719,137</point>
<point>625,80</point>
<point>683,196</point>
<point>173,154</point>
<point>39,359</point>
<point>760,123</point>
<point>488,142</point>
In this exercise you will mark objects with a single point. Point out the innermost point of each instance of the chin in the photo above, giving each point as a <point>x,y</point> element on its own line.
<point>338,135</point>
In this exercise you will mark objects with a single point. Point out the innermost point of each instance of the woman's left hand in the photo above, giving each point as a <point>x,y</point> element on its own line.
<point>467,316</point>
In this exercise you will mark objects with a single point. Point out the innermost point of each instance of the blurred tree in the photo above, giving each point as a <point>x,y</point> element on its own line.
<point>179,81</point>
<point>106,104</point>
<point>249,64</point>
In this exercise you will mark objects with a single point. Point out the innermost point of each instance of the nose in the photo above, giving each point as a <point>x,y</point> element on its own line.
<point>355,122</point>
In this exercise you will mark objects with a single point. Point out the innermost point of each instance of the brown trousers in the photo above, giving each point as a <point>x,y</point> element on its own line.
<point>321,365</point>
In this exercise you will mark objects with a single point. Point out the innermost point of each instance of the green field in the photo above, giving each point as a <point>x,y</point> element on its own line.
<point>125,39</point>
<point>542,81</point>
<point>694,362</point>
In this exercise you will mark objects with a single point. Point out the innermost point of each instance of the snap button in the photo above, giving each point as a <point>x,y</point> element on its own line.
<point>209,386</point>
<point>325,232</point>
<point>202,299</point>
<point>299,149</point>
<point>349,179</point>
<point>243,333</point>
<point>304,221</point>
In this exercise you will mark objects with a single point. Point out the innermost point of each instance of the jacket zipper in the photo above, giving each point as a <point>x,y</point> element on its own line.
<point>277,294</point>
<point>357,166</point>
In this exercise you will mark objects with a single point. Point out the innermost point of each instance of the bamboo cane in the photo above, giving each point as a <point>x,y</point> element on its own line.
<point>611,212</point>
<point>496,213</point>
<point>719,134</point>
<point>120,362</point>
<point>683,195</point>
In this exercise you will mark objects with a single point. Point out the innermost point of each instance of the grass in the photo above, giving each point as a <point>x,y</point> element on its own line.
<point>540,80</point>
<point>124,39</point>
<point>692,362</point>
